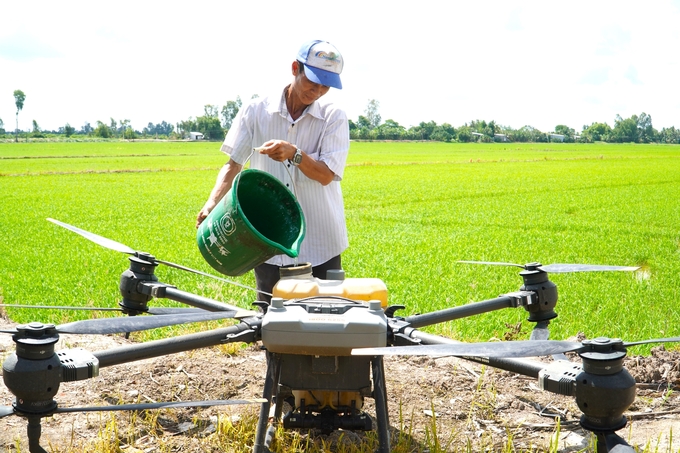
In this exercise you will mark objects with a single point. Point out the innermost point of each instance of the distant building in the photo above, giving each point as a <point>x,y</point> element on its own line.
<point>501,138</point>
<point>195,136</point>
<point>556,137</point>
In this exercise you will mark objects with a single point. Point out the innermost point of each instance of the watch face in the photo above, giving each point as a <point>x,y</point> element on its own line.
<point>297,158</point>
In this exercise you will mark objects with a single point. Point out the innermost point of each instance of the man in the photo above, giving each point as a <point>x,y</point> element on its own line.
<point>304,143</point>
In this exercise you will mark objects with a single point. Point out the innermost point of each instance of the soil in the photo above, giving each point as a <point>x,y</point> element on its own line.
<point>466,403</point>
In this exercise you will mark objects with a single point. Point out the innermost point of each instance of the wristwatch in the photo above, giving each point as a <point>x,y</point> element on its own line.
<point>297,157</point>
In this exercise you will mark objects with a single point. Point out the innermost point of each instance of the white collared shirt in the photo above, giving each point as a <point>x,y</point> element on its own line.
<point>322,132</point>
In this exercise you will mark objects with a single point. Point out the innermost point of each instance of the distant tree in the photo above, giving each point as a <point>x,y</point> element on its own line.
<point>210,127</point>
<point>482,127</point>
<point>443,133</point>
<point>391,130</point>
<point>536,135</point>
<point>596,132</point>
<point>229,112</point>
<point>372,114</point>
<point>125,130</point>
<point>423,131</point>
<point>19,98</point>
<point>86,129</point>
<point>113,128</point>
<point>69,130</point>
<point>129,133</point>
<point>625,130</point>
<point>211,111</point>
<point>165,128</point>
<point>37,133</point>
<point>491,129</point>
<point>464,134</point>
<point>669,135</point>
<point>646,132</point>
<point>102,130</point>
<point>567,131</point>
<point>2,127</point>
<point>363,122</point>
<point>184,127</point>
<point>123,125</point>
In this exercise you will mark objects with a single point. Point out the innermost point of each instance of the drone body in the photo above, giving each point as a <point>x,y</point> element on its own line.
<point>311,341</point>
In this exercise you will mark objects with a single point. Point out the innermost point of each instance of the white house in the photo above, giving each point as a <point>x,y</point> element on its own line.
<point>195,136</point>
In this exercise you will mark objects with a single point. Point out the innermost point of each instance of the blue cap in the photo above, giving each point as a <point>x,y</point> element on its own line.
<point>323,63</point>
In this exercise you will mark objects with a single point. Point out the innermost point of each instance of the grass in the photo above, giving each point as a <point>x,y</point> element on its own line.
<point>413,210</point>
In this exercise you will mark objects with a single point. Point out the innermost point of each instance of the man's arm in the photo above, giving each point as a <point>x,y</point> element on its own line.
<point>222,185</point>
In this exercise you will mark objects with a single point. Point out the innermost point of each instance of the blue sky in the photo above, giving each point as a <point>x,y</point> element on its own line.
<point>519,63</point>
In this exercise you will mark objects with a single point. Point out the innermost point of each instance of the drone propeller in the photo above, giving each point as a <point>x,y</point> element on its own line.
<point>131,324</point>
<point>507,349</point>
<point>9,410</point>
<point>150,406</point>
<point>559,268</point>
<point>540,331</point>
<point>118,247</point>
<point>151,310</point>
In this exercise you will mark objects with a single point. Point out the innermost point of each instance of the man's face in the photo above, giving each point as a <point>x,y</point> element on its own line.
<point>307,90</point>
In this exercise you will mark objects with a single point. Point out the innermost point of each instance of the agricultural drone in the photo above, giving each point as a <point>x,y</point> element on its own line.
<point>324,353</point>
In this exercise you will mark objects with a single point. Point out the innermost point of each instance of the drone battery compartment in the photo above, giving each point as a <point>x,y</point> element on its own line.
<point>323,327</point>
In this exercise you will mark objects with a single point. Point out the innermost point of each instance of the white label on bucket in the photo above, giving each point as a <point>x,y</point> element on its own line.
<point>227,224</point>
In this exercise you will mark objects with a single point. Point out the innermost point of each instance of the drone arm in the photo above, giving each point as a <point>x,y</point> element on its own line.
<point>245,331</point>
<point>163,291</point>
<point>475,308</point>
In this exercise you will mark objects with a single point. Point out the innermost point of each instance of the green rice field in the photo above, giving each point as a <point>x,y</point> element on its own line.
<point>413,211</point>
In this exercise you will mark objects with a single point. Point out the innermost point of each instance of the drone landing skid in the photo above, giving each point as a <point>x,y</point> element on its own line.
<point>326,419</point>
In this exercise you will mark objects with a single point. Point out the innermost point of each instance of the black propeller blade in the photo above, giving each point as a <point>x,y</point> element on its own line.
<point>151,310</point>
<point>541,332</point>
<point>495,349</point>
<point>150,406</point>
<point>9,410</point>
<point>559,268</point>
<point>130,324</point>
<point>118,247</point>
<point>508,349</point>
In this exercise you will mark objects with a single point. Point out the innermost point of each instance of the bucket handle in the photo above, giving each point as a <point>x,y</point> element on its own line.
<point>284,166</point>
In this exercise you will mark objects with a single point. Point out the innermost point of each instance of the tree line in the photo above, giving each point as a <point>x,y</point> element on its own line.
<point>213,124</point>
<point>216,121</point>
<point>636,129</point>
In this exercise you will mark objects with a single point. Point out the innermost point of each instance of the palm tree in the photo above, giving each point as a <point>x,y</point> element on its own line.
<point>19,98</point>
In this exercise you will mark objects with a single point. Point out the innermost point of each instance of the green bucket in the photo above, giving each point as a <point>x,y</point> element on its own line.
<point>257,219</point>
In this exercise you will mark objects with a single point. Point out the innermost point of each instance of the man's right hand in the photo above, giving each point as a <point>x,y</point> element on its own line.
<point>203,213</point>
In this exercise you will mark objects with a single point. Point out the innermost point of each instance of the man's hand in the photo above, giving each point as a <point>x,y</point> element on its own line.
<point>203,213</point>
<point>278,150</point>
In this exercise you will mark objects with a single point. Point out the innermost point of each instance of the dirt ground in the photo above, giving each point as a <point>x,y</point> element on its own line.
<point>472,404</point>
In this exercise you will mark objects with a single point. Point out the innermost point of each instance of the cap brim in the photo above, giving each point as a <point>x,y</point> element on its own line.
<point>322,77</point>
